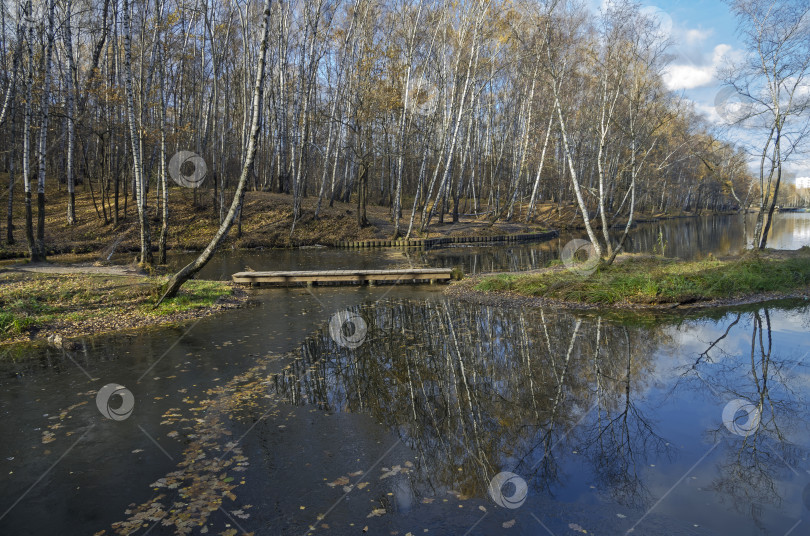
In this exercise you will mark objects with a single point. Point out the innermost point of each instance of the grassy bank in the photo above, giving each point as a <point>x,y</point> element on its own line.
<point>38,305</point>
<point>655,281</point>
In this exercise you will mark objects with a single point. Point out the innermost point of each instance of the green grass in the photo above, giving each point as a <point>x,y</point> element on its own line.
<point>656,280</point>
<point>193,295</point>
<point>14,323</point>
<point>32,301</point>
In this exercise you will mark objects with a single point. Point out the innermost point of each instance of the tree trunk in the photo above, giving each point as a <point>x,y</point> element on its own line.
<point>533,198</point>
<point>164,228</point>
<point>26,157</point>
<point>574,180</point>
<point>768,219</point>
<point>43,139</point>
<point>71,123</point>
<point>134,132</point>
<point>11,181</point>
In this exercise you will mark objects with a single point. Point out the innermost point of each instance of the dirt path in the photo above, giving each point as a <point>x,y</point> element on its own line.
<point>79,268</point>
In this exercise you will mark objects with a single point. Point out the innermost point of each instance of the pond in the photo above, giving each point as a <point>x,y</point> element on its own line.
<point>393,410</point>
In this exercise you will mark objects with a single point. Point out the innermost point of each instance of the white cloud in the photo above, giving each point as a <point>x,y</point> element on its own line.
<point>721,51</point>
<point>688,76</point>
<point>696,71</point>
<point>696,36</point>
<point>708,111</point>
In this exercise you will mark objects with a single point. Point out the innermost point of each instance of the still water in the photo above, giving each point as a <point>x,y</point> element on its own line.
<point>391,410</point>
<point>687,238</point>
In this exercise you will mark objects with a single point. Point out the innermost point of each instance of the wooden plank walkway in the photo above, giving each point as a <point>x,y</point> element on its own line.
<point>313,277</point>
<point>792,209</point>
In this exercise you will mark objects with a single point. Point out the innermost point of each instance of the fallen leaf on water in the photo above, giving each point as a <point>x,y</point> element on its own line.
<point>342,481</point>
<point>393,471</point>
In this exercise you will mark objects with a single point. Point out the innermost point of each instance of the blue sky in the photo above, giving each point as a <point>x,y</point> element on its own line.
<point>703,33</point>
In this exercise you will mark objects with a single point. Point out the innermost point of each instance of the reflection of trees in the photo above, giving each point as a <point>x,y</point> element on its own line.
<point>514,258</point>
<point>753,464</point>
<point>689,237</point>
<point>622,438</point>
<point>475,390</point>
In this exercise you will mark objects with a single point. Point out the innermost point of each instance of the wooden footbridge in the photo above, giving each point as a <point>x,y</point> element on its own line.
<point>792,209</point>
<point>345,277</point>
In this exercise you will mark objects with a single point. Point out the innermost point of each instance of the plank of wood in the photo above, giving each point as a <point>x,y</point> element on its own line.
<point>327,276</point>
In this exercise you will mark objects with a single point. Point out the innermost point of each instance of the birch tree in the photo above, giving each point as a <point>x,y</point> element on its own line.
<point>139,182</point>
<point>70,79</point>
<point>42,151</point>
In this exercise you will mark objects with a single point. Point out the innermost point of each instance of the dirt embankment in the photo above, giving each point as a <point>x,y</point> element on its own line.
<point>266,223</point>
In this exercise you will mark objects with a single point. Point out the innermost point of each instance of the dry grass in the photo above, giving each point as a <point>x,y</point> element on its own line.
<point>36,304</point>
<point>649,280</point>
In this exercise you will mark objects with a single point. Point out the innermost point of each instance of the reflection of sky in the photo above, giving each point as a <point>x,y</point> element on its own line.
<point>791,230</point>
<point>687,414</point>
<point>789,329</point>
<point>801,230</point>
<point>786,325</point>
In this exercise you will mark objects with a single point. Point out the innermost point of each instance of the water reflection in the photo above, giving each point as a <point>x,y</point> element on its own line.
<point>773,385</point>
<point>570,404</point>
<point>613,425</point>
<point>791,231</point>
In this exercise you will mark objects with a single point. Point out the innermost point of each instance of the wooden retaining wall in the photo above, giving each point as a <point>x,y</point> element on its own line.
<point>429,243</point>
